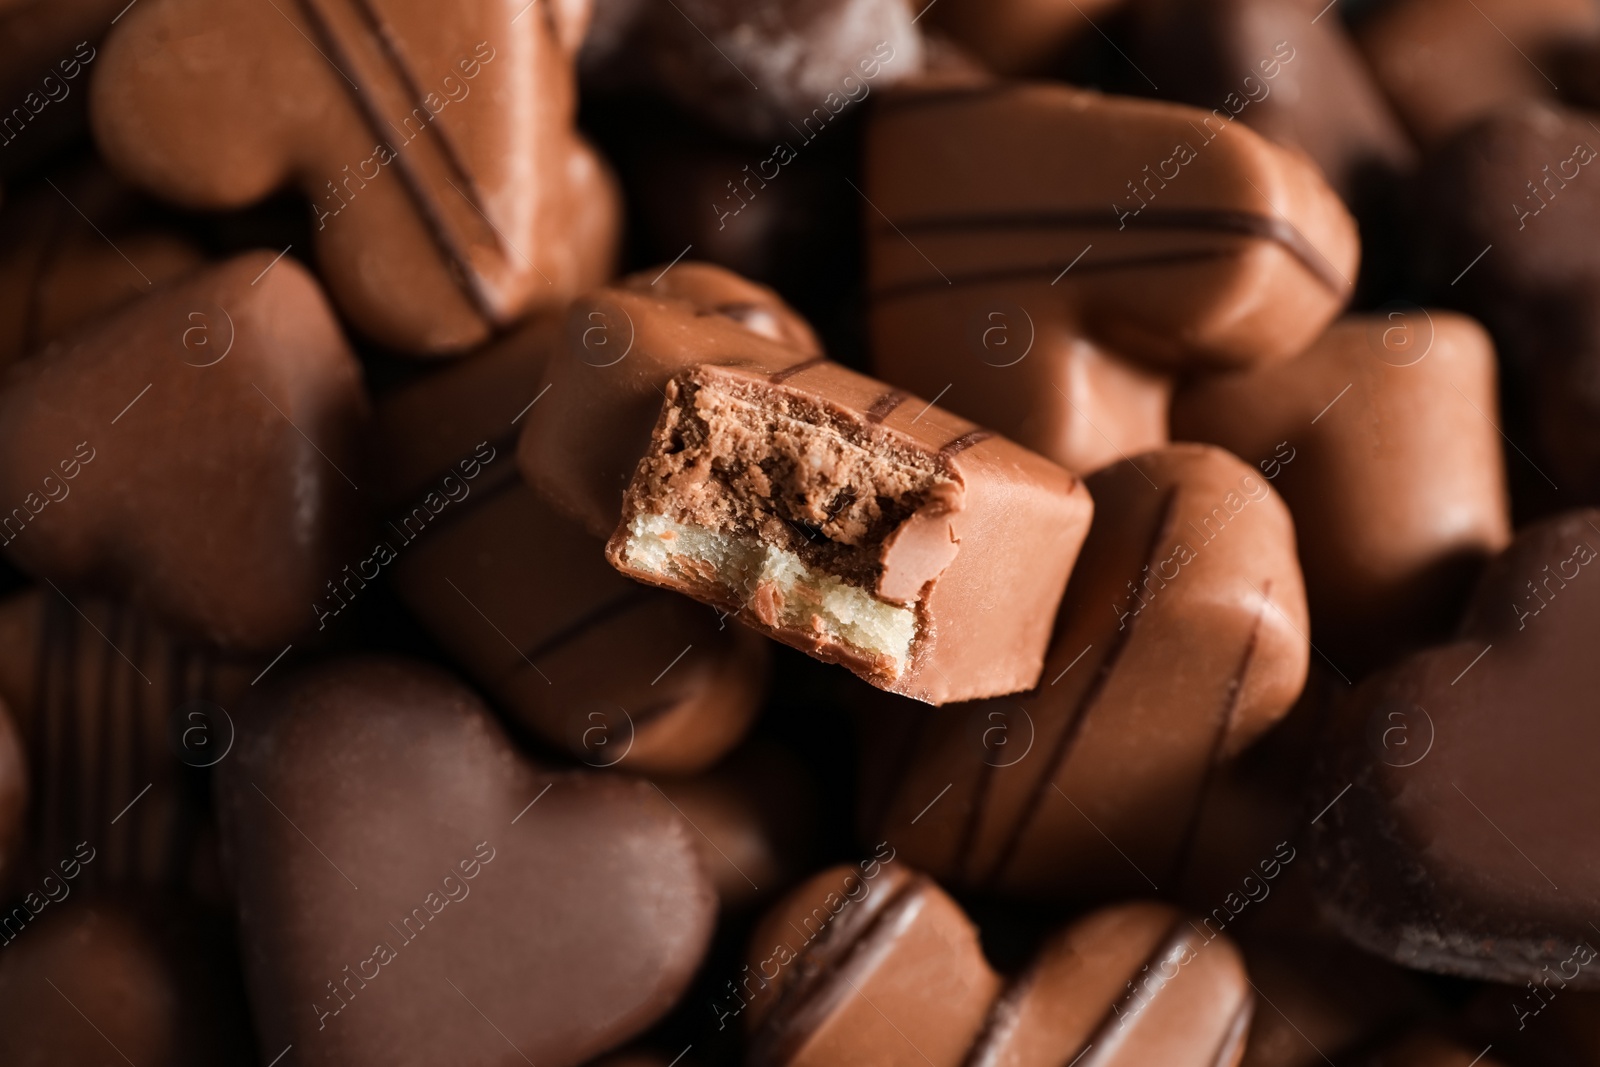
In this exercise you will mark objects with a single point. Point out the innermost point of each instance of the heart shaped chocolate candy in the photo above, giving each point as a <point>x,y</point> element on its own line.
<point>412,892</point>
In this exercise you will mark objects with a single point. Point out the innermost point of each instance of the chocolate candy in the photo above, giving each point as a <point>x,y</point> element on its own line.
<point>1461,850</point>
<point>523,598</point>
<point>1392,528</point>
<point>780,69</point>
<point>449,190</point>
<point>1504,201</point>
<point>1018,36</point>
<point>880,966</point>
<point>1426,1049</point>
<point>754,820</point>
<point>117,717</point>
<point>1071,232</point>
<point>1442,69</point>
<point>47,50</point>
<point>822,508</point>
<point>121,980</point>
<point>1180,640</point>
<point>194,453</point>
<point>57,273</point>
<point>411,891</point>
<point>1288,75</point>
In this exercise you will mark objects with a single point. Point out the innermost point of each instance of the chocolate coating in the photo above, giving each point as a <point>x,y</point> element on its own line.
<point>1029,242</point>
<point>1019,36</point>
<point>230,395</point>
<point>880,966</point>
<point>558,913</point>
<point>1443,69</point>
<point>57,273</point>
<point>117,717</point>
<point>1521,181</point>
<point>449,190</point>
<point>1392,528</point>
<point>1300,82</point>
<point>1447,855</point>
<point>112,981</point>
<point>763,69</point>
<point>47,50</point>
<point>523,598</point>
<point>824,509</point>
<point>1180,639</point>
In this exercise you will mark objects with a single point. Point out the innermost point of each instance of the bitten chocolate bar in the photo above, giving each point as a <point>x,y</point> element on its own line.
<point>827,510</point>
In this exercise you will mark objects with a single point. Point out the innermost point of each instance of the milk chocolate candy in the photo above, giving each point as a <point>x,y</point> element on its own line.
<point>117,720</point>
<point>878,965</point>
<point>1520,182</point>
<point>822,508</point>
<point>1446,854</point>
<point>769,69</point>
<point>754,818</point>
<point>193,453</point>
<point>1444,64</point>
<point>47,50</point>
<point>1019,36</point>
<point>1296,81</point>
<point>449,190</point>
<point>114,980</point>
<point>1393,529</point>
<point>57,272</point>
<point>412,891</point>
<point>522,597</point>
<point>1181,638</point>
<point>1034,238</point>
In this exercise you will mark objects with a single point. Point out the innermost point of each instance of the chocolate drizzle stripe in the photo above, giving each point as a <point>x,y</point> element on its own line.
<point>776,1042</point>
<point>780,376</point>
<point>1098,1048</point>
<point>620,605</point>
<point>884,406</point>
<point>1001,1022</point>
<point>954,448</point>
<point>466,277</point>
<point>1010,274</point>
<point>504,481</point>
<point>1230,710</point>
<point>1234,1036</point>
<point>1091,694</point>
<point>1237,223</point>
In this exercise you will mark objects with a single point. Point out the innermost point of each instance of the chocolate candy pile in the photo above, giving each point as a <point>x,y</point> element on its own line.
<point>684,533</point>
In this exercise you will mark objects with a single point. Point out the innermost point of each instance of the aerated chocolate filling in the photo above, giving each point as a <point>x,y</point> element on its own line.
<point>761,463</point>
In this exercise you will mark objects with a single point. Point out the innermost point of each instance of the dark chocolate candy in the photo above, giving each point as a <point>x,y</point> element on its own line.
<point>1018,36</point>
<point>1506,202</point>
<point>412,892</point>
<point>57,272</point>
<point>121,980</point>
<point>1393,528</point>
<point>1026,240</point>
<point>1466,849</point>
<point>879,965</point>
<point>1445,65</point>
<point>523,598</point>
<point>781,69</point>
<point>1181,638</point>
<point>451,194</point>
<point>117,719</point>
<point>824,509</point>
<point>1288,75</point>
<point>755,821</point>
<point>193,453</point>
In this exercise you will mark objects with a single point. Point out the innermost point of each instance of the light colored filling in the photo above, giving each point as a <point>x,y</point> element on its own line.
<point>775,584</point>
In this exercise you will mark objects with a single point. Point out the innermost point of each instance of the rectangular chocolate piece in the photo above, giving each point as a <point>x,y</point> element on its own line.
<point>856,523</point>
